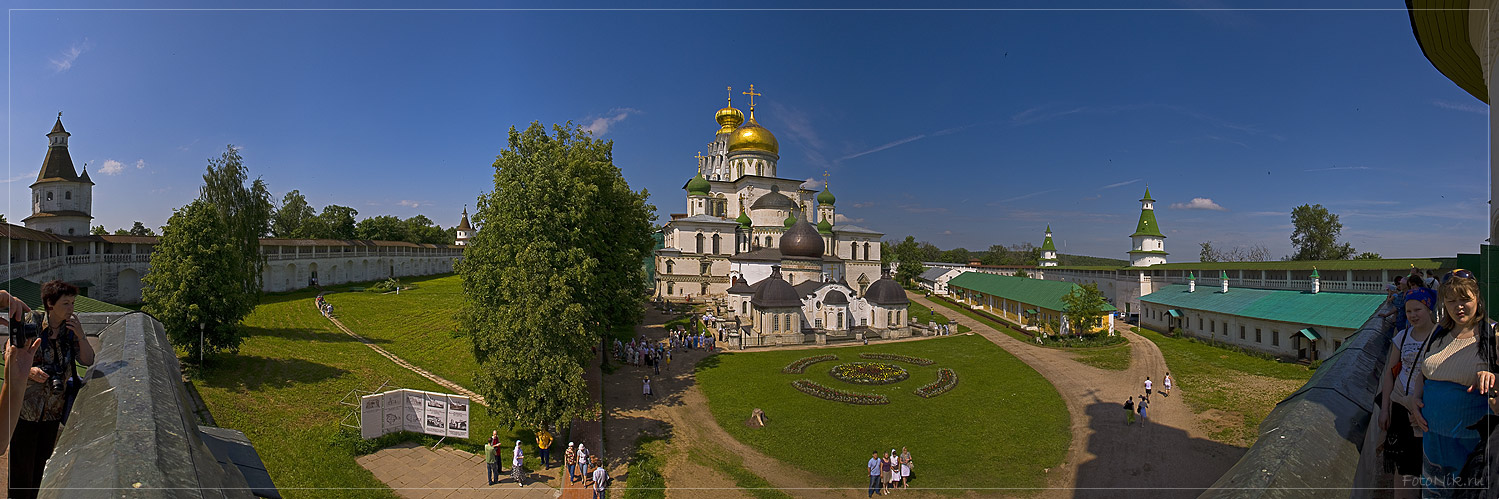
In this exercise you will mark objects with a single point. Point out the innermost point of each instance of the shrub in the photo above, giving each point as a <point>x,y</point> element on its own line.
<point>800,366</point>
<point>1177,332</point>
<point>385,286</point>
<point>898,358</point>
<point>815,389</point>
<point>1314,364</point>
<point>946,380</point>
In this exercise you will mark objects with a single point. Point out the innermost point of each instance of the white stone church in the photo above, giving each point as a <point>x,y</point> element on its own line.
<point>748,243</point>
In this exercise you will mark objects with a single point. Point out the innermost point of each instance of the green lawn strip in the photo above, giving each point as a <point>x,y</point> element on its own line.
<point>1000,427</point>
<point>1205,375</point>
<point>417,325</point>
<point>923,315</point>
<point>972,315</point>
<point>1113,358</point>
<point>733,467</point>
<point>645,480</point>
<point>282,390</point>
<point>1066,342</point>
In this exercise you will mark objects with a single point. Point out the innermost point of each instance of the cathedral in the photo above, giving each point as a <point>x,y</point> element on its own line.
<point>770,251</point>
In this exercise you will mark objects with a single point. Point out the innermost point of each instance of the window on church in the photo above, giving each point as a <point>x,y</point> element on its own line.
<point>49,196</point>
<point>705,289</point>
<point>67,194</point>
<point>669,289</point>
<point>866,251</point>
<point>700,244</point>
<point>767,241</point>
<point>70,248</point>
<point>744,308</point>
<point>889,318</point>
<point>853,251</point>
<point>716,240</point>
<point>1275,338</point>
<point>668,266</point>
<point>706,267</point>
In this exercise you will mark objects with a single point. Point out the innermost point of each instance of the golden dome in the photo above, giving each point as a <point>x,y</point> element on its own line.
<point>754,137</point>
<point>728,119</point>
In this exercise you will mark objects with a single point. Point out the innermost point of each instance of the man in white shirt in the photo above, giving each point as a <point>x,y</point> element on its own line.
<point>1147,387</point>
<point>600,479</point>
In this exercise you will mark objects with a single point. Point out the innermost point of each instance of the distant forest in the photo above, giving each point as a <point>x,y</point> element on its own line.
<point>1015,254</point>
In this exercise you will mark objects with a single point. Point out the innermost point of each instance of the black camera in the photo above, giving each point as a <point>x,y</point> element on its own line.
<point>23,331</point>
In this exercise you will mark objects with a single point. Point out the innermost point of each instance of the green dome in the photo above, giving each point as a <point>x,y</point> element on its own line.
<point>825,227</point>
<point>744,219</point>
<point>826,197</point>
<point>698,185</point>
<point>791,220</point>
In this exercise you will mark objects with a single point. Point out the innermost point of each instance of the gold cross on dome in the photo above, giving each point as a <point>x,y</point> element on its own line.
<point>752,95</point>
<point>731,96</point>
<point>824,179</point>
<point>699,156</point>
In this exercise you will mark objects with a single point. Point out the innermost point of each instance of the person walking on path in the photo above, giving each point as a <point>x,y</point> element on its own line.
<point>544,444</point>
<point>905,468</point>
<point>582,463</point>
<point>647,388</point>
<point>1129,411</point>
<point>600,478</point>
<point>1144,418</point>
<point>491,466</point>
<point>874,473</point>
<point>1147,387</point>
<point>570,458</point>
<point>517,470</point>
<point>1166,386</point>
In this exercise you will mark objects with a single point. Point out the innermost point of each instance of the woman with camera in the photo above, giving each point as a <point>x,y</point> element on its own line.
<point>45,404</point>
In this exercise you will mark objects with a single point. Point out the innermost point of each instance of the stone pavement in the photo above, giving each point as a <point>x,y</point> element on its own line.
<point>416,471</point>
<point>588,433</point>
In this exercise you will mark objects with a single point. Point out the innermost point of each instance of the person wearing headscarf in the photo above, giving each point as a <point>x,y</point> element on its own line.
<point>583,462</point>
<point>570,458</point>
<point>517,471</point>
<point>1402,443</point>
<point>894,469</point>
<point>1453,384</point>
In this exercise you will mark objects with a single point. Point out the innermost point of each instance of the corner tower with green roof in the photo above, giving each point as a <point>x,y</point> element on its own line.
<point>1148,245</point>
<point>1048,250</point>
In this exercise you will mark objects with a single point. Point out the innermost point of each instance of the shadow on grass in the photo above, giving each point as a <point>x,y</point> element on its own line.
<point>1147,460</point>
<point>298,334</point>
<point>253,373</point>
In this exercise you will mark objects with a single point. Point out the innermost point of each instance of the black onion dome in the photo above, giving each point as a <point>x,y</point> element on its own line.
<point>886,292</point>
<point>774,201</point>
<point>802,240</point>
<point>835,297</point>
<point>740,287</point>
<point>775,292</point>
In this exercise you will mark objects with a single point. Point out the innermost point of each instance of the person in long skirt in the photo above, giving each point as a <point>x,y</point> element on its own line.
<point>517,470</point>
<point>894,469</point>
<point>905,468</point>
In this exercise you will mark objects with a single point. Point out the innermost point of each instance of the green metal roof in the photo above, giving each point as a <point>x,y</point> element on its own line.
<point>1147,196</point>
<point>1047,245</point>
<point>1344,310</point>
<point>1310,334</point>
<point>744,218</point>
<point>698,186</point>
<point>1175,313</point>
<point>825,227</point>
<point>1038,292</point>
<point>1147,226</point>
<point>31,293</point>
<point>826,197</point>
<point>1381,264</point>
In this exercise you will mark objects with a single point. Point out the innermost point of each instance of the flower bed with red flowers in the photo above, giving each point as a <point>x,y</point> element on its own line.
<point>800,366</point>
<point>898,358</point>
<point>818,390</point>
<point>869,373</point>
<point>946,380</point>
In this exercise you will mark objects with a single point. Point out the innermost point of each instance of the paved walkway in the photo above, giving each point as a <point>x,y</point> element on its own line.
<point>416,471</point>
<point>588,433</point>
<point>1168,457</point>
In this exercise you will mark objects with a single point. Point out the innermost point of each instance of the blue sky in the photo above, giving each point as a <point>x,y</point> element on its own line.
<point>962,128</point>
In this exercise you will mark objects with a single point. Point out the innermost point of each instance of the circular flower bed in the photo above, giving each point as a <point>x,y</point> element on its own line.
<point>800,366</point>
<point>821,391</point>
<point>946,380</point>
<point>898,358</point>
<point>869,373</point>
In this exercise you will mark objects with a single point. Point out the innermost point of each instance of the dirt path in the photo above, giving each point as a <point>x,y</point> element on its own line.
<point>1169,456</point>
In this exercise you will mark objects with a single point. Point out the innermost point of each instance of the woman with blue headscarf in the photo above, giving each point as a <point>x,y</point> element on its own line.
<point>1402,443</point>
<point>1449,388</point>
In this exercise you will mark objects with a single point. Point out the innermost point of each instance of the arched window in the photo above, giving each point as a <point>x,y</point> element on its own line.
<point>668,267</point>
<point>840,320</point>
<point>866,251</point>
<point>669,289</point>
<point>49,195</point>
<point>744,307</point>
<point>715,244</point>
<point>67,194</point>
<point>767,241</point>
<point>700,243</point>
<point>853,251</point>
<point>889,318</point>
<point>705,289</point>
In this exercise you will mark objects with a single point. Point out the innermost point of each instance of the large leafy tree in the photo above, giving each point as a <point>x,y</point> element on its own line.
<point>381,228</point>
<point>420,229</point>
<point>140,229</point>
<point>554,269</point>
<point>294,217</point>
<point>336,222</point>
<point>956,255</point>
<point>1083,307</point>
<point>1316,234</point>
<point>98,230</point>
<point>908,256</point>
<point>207,267</point>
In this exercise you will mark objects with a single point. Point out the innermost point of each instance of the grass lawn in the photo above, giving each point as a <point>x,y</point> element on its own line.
<point>1000,427</point>
<point>732,466</point>
<point>1235,391</point>
<point>1067,342</point>
<point>417,325</point>
<point>922,315</point>
<point>282,389</point>
<point>645,481</point>
<point>1113,358</point>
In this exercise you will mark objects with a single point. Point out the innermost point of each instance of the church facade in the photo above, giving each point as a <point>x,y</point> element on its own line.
<point>771,251</point>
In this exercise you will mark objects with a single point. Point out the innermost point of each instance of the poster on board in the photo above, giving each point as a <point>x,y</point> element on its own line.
<point>457,416</point>
<point>437,414</point>
<point>395,410</point>
<point>371,415</point>
<point>414,411</point>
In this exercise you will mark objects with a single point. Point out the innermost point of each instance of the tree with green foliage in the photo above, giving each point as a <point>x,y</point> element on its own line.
<point>293,219</point>
<point>98,230</point>
<point>1021,274</point>
<point>1207,254</point>
<point>1316,234</point>
<point>421,230</point>
<point>140,229</point>
<point>206,269</point>
<point>381,228</point>
<point>1367,255</point>
<point>887,254</point>
<point>336,222</point>
<point>929,252</point>
<point>955,255</point>
<point>1083,308</point>
<point>908,255</point>
<point>122,232</point>
<point>556,268</point>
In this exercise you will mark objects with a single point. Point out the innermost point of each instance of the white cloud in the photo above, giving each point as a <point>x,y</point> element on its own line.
<point>812,184</point>
<point>140,164</point>
<point>1198,204</point>
<point>865,204</point>
<point>64,61</point>
<point>839,218</point>
<point>1120,184</point>
<point>17,178</point>
<point>412,204</point>
<point>600,125</point>
<point>912,138</point>
<point>1470,108</point>
<point>112,167</point>
<point>1022,196</point>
